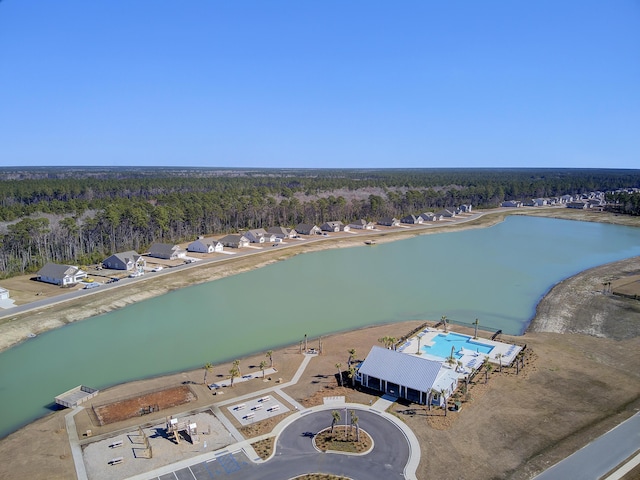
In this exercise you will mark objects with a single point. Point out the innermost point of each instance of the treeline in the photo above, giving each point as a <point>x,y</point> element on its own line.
<point>624,202</point>
<point>83,217</point>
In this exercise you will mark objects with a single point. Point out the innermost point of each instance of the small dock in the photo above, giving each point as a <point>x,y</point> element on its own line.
<point>74,397</point>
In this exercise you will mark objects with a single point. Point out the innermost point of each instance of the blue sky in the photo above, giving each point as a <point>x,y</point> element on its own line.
<point>310,83</point>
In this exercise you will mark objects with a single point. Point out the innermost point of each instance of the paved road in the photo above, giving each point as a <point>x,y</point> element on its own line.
<point>295,455</point>
<point>600,456</point>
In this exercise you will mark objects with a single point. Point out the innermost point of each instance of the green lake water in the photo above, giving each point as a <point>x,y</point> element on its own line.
<point>496,274</point>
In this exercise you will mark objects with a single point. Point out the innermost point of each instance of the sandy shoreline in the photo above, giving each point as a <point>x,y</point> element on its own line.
<point>15,329</point>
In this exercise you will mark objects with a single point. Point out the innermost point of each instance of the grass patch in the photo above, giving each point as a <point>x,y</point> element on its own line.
<point>343,439</point>
<point>264,448</point>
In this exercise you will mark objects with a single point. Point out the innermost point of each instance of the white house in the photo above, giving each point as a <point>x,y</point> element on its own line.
<point>412,219</point>
<point>166,251</point>
<point>130,260</point>
<point>4,294</point>
<point>60,274</point>
<point>257,235</point>
<point>306,229</point>
<point>334,226</point>
<point>282,232</point>
<point>362,224</point>
<point>205,245</point>
<point>511,204</point>
<point>389,222</point>
<point>235,241</point>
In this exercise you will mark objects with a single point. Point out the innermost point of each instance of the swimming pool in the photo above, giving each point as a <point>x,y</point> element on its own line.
<point>443,343</point>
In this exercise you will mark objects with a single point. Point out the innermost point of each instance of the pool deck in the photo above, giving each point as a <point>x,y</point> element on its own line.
<point>471,359</point>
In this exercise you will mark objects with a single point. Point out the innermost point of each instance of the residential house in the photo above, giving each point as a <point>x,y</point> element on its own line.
<point>430,217</point>
<point>389,222</point>
<point>511,204</point>
<point>540,202</point>
<point>306,229</point>
<point>205,245</point>
<point>362,224</point>
<point>406,376</point>
<point>448,212</point>
<point>166,251</point>
<point>130,260</point>
<point>235,241</point>
<point>412,219</point>
<point>465,208</point>
<point>60,274</point>
<point>282,232</point>
<point>578,205</point>
<point>336,226</point>
<point>260,235</point>
<point>566,199</point>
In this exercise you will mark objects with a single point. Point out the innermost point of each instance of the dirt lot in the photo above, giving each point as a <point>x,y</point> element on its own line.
<point>132,407</point>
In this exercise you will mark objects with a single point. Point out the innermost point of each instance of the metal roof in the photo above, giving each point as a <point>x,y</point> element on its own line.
<point>407,370</point>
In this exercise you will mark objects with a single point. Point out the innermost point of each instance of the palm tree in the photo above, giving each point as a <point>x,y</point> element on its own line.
<point>233,373</point>
<point>499,357</point>
<point>487,368</point>
<point>352,353</point>
<point>339,366</point>
<point>475,333</point>
<point>443,392</point>
<point>418,352</point>
<point>270,355</point>
<point>354,421</point>
<point>451,359</point>
<point>352,376</point>
<point>443,319</point>
<point>305,342</point>
<point>335,418</point>
<point>263,364</point>
<point>392,342</point>
<point>207,368</point>
<point>236,365</point>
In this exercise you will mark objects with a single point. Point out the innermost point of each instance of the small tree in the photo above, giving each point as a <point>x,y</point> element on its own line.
<point>207,369</point>
<point>236,365</point>
<point>352,353</point>
<point>354,422</point>
<point>263,364</point>
<point>269,355</point>
<point>352,376</point>
<point>499,357</point>
<point>443,319</point>
<point>475,333</point>
<point>233,373</point>
<point>487,368</point>
<point>339,366</point>
<point>335,418</point>
<point>443,392</point>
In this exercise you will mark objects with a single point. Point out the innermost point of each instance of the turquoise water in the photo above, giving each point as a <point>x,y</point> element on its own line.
<point>443,343</point>
<point>495,274</point>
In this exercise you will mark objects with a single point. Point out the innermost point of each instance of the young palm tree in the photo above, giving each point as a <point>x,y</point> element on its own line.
<point>233,373</point>
<point>499,357</point>
<point>443,319</point>
<point>487,368</point>
<point>269,354</point>
<point>263,364</point>
<point>352,353</point>
<point>392,342</point>
<point>335,418</point>
<point>207,369</point>
<point>418,352</point>
<point>354,422</point>
<point>339,366</point>
<point>475,333</point>
<point>443,392</point>
<point>352,376</point>
<point>236,365</point>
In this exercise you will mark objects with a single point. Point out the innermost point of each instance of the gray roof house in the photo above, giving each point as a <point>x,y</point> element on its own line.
<point>405,376</point>
<point>166,251</point>
<point>235,241</point>
<point>466,208</point>
<point>429,217</point>
<point>306,229</point>
<point>511,203</point>
<point>334,226</point>
<point>412,219</point>
<point>448,212</point>
<point>129,260</point>
<point>282,232</point>
<point>205,245</point>
<point>389,222</point>
<point>362,224</point>
<point>258,235</point>
<point>60,274</point>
